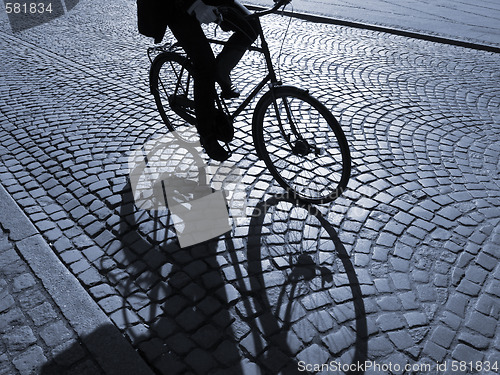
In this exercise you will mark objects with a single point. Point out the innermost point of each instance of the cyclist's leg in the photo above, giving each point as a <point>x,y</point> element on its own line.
<point>245,33</point>
<point>245,29</point>
<point>189,34</point>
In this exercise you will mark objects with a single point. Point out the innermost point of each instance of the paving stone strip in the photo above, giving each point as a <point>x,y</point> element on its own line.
<point>467,23</point>
<point>34,332</point>
<point>48,322</point>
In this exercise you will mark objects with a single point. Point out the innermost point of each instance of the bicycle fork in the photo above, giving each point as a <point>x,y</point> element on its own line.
<point>299,146</point>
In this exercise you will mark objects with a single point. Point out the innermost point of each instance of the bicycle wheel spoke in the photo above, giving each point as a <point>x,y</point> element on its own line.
<point>172,86</point>
<point>301,147</point>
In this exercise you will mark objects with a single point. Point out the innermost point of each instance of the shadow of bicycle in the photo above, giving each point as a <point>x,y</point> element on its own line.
<point>284,298</point>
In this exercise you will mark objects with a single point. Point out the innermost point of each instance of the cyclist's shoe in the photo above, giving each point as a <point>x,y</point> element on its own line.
<point>214,149</point>
<point>229,91</point>
<point>224,130</point>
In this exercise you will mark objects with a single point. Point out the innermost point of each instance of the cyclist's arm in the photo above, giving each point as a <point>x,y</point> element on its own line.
<point>203,12</point>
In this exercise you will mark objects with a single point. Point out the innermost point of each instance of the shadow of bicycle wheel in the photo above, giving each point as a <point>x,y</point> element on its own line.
<point>186,312</point>
<point>290,290</point>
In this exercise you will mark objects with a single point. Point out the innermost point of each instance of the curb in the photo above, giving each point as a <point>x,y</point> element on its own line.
<point>104,341</point>
<point>410,34</point>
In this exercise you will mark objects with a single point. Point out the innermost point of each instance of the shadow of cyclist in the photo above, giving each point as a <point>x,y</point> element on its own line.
<point>186,322</point>
<point>179,293</point>
<point>177,305</point>
<point>187,319</point>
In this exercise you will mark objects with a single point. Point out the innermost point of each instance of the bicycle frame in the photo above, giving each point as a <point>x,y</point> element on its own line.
<point>270,77</point>
<point>279,110</point>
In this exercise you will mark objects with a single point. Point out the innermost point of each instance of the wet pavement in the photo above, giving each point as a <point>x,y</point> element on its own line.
<point>401,270</point>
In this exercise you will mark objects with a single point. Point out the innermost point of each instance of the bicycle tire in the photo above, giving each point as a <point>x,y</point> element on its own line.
<point>314,164</point>
<point>172,85</point>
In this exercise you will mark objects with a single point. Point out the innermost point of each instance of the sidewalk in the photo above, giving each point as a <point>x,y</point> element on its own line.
<point>465,21</point>
<point>48,323</point>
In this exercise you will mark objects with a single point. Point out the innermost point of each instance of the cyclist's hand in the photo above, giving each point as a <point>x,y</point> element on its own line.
<point>204,13</point>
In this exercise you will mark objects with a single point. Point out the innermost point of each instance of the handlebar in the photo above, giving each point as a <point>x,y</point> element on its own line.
<point>278,4</point>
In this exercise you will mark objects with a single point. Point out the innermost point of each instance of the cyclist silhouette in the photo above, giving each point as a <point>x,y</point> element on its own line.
<point>183,18</point>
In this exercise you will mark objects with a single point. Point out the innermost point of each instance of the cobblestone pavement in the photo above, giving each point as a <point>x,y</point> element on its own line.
<point>402,269</point>
<point>34,333</point>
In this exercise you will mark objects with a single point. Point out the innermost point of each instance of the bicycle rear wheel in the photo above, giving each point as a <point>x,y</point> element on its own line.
<point>302,145</point>
<point>172,85</point>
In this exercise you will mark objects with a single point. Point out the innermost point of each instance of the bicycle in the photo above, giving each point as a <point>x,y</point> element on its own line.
<point>297,137</point>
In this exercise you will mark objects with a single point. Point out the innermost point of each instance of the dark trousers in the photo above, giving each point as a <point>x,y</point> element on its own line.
<point>190,36</point>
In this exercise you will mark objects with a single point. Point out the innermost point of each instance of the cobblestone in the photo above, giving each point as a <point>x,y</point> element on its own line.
<point>466,353</point>
<point>29,361</point>
<point>25,346</point>
<point>339,341</point>
<point>483,324</point>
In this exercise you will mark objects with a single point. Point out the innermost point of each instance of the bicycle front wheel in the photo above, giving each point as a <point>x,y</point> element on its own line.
<point>172,85</point>
<point>302,145</point>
